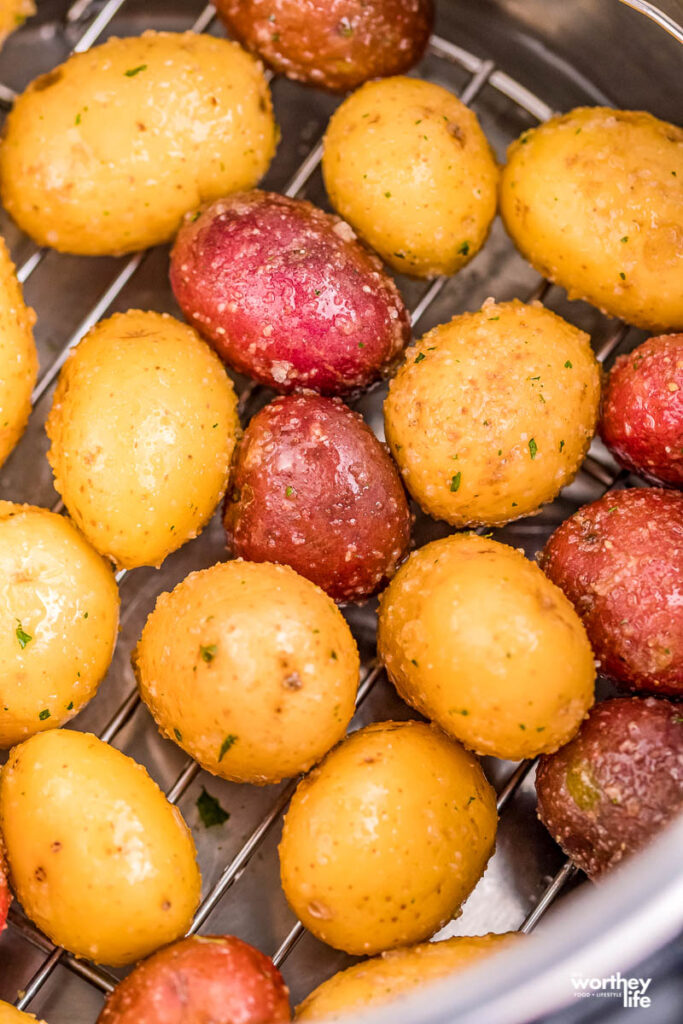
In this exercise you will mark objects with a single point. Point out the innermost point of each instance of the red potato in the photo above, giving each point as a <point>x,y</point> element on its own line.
<point>5,895</point>
<point>313,488</point>
<point>286,294</point>
<point>206,979</point>
<point>620,563</point>
<point>642,416</point>
<point>616,784</point>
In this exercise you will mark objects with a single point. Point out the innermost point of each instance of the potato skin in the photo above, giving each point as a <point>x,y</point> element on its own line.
<point>377,854</point>
<point>592,199</point>
<point>250,668</point>
<point>13,13</point>
<point>10,1015</point>
<point>642,412</point>
<point>105,154</point>
<point>98,858</point>
<point>313,488</point>
<point>336,45</point>
<point>5,895</point>
<point>287,294</point>
<point>18,357</point>
<point>143,425</point>
<point>618,782</point>
<point>491,414</point>
<point>201,980</point>
<point>408,166</point>
<point>62,596</point>
<point>620,563</point>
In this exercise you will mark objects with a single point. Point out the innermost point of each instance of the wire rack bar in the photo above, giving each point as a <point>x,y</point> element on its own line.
<point>566,872</point>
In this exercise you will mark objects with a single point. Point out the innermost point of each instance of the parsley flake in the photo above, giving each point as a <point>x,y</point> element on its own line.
<point>420,357</point>
<point>45,713</point>
<point>132,72</point>
<point>568,365</point>
<point>228,742</point>
<point>464,249</point>
<point>70,706</point>
<point>455,482</point>
<point>533,448</point>
<point>210,811</point>
<point>208,652</point>
<point>22,636</point>
<point>289,492</point>
<point>178,735</point>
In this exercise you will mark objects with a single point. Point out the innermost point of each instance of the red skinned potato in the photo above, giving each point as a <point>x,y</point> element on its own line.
<point>286,294</point>
<point>313,488</point>
<point>620,563</point>
<point>616,784</point>
<point>642,415</point>
<point>335,45</point>
<point>5,895</point>
<point>205,979</point>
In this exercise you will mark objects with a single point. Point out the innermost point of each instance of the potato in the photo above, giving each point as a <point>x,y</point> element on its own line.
<point>10,1015</point>
<point>335,45</point>
<point>59,613</point>
<point>312,487</point>
<point>250,668</point>
<point>593,200</point>
<point>199,980</point>
<point>492,414</point>
<point>474,637</point>
<point>620,563</point>
<point>105,153</point>
<point>18,357</point>
<point>143,426</point>
<point>642,411</point>
<point>385,978</point>
<point>384,841</point>
<point>407,165</point>
<point>5,894</point>
<point>618,783</point>
<point>286,294</point>
<point>98,858</point>
<point>13,14</point>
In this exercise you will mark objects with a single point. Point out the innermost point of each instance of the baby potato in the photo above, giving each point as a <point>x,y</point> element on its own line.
<point>99,859</point>
<point>492,414</point>
<point>385,840</point>
<point>104,154</point>
<point>407,165</point>
<point>475,637</point>
<point>143,426</point>
<point>18,357</point>
<point>10,1015</point>
<point>593,200</point>
<point>13,13</point>
<point>59,613</point>
<point>250,668</point>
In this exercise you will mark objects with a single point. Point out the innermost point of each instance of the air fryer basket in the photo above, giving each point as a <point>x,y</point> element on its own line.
<point>514,62</point>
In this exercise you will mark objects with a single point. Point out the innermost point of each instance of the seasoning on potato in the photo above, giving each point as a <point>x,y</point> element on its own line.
<point>492,414</point>
<point>334,45</point>
<point>5,894</point>
<point>250,668</point>
<point>143,426</point>
<point>13,14</point>
<point>593,200</point>
<point>408,166</point>
<point>384,841</point>
<point>18,357</point>
<point>617,784</point>
<point>10,1015</point>
<point>286,294</point>
<point>104,154</point>
<point>99,860</point>
<point>59,613</point>
<point>313,488</point>
<point>620,563</point>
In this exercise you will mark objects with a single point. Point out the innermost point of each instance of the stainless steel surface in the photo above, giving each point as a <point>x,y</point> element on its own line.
<point>514,61</point>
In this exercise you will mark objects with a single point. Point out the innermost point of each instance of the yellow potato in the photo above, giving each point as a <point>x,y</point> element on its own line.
<point>386,977</point>
<point>384,841</point>
<point>407,165</point>
<point>98,858</point>
<point>251,668</point>
<point>9,1015</point>
<point>13,14</point>
<point>492,414</point>
<point>59,609</point>
<point>143,425</point>
<point>18,358</point>
<point>108,151</point>
<point>593,200</point>
<point>476,638</point>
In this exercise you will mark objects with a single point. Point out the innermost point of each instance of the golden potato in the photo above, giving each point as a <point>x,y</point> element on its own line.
<point>593,200</point>
<point>384,841</point>
<point>98,858</point>
<point>143,425</point>
<point>492,414</point>
<point>108,151</point>
<point>18,358</point>
<point>59,611</point>
<point>476,638</point>
<point>386,977</point>
<point>407,165</point>
<point>10,1015</point>
<point>13,14</point>
<point>251,668</point>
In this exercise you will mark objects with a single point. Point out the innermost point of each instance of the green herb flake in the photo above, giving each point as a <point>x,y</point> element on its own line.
<point>561,445</point>
<point>85,615</point>
<point>208,652</point>
<point>228,742</point>
<point>494,318</point>
<point>540,728</point>
<point>44,714</point>
<point>333,655</point>
<point>22,636</point>
<point>471,800</point>
<point>455,482</point>
<point>178,735</point>
<point>387,195</point>
<point>70,706</point>
<point>78,119</point>
<point>420,357</point>
<point>361,344</point>
<point>677,719</point>
<point>210,811</point>
<point>289,492</point>
<point>275,38</point>
<point>533,448</point>
<point>522,726</point>
<point>500,451</point>
<point>625,238</point>
<point>568,365</point>
<point>195,216</point>
<point>464,249</point>
<point>346,31</point>
<point>622,275</point>
<point>414,662</point>
<point>132,72</point>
